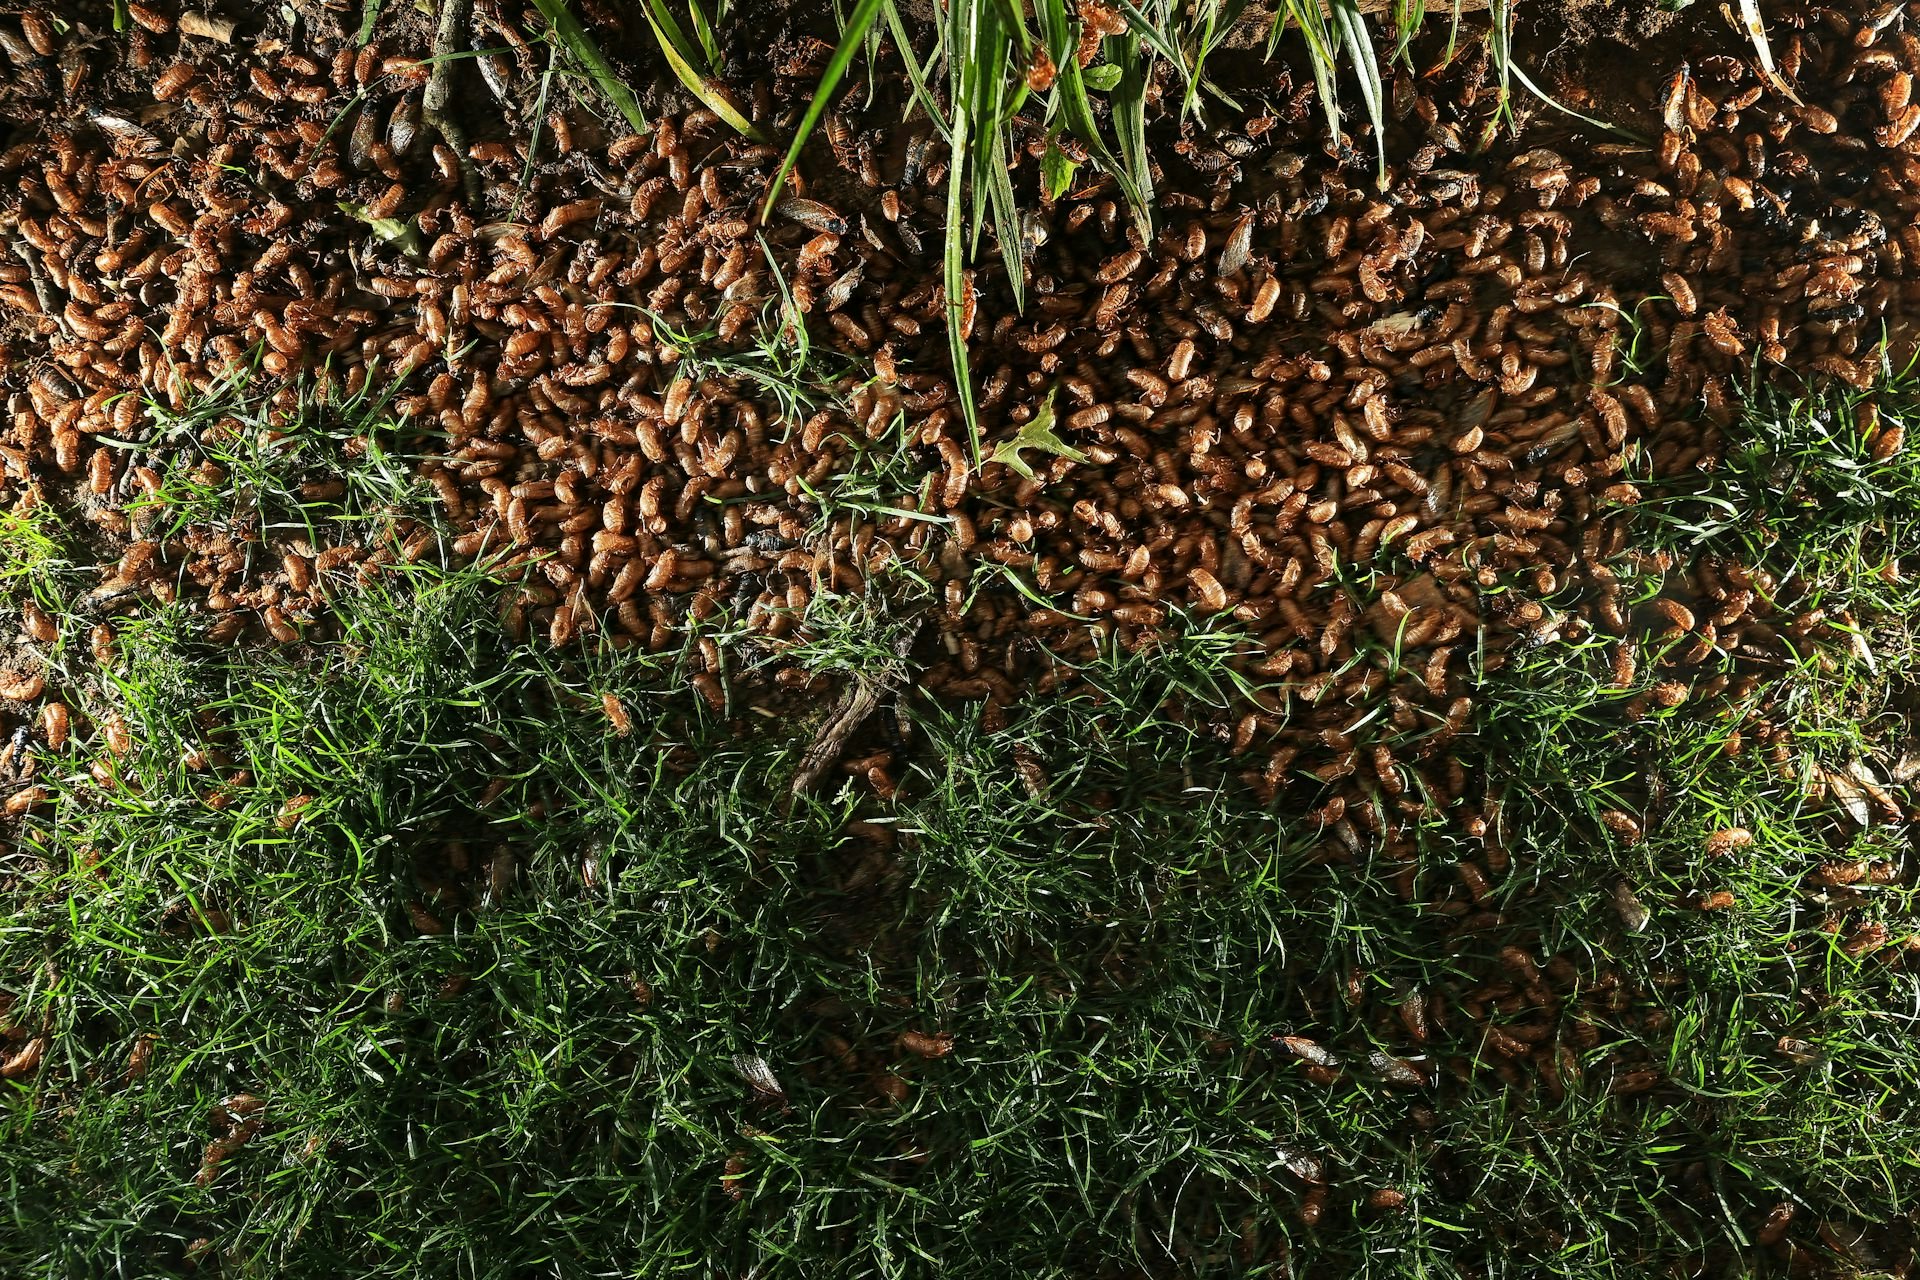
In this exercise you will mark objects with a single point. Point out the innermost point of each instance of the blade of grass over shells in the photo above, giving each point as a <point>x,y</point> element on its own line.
<point>567,29</point>
<point>1057,35</point>
<point>1006,217</point>
<point>916,70</point>
<point>985,73</point>
<point>1757,32</point>
<point>667,28</point>
<point>851,38</point>
<point>1217,32</point>
<point>993,164</point>
<point>1453,35</point>
<point>1527,83</point>
<point>1408,17</point>
<point>953,250</point>
<point>1011,576</point>
<point>533,135</point>
<point>703,31</point>
<point>1306,15</point>
<point>1500,48</point>
<point>1151,31</point>
<point>680,54</point>
<point>1211,27</point>
<point>1353,31</point>
<point>1070,93</point>
<point>1129,100</point>
<point>369,14</point>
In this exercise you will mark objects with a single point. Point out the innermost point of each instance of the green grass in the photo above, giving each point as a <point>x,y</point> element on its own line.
<point>35,556</point>
<point>1811,488</point>
<point>261,464</point>
<point>1112,930</point>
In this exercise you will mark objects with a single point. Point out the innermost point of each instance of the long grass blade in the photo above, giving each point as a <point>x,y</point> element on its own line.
<point>1147,29</point>
<point>916,71</point>
<point>1526,82</point>
<point>1353,31</point>
<point>567,29</point>
<point>1218,32</point>
<point>667,28</point>
<point>1500,48</point>
<point>703,31</point>
<point>1054,31</point>
<point>1006,218</point>
<point>850,42</point>
<point>1070,97</point>
<point>984,51</point>
<point>1408,17</point>
<point>680,54</point>
<point>1129,99</point>
<point>963,64</point>
<point>1757,32</point>
<point>1306,15</point>
<point>533,138</point>
<point>1189,101</point>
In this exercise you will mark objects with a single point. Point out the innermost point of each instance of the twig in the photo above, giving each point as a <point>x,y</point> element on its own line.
<point>855,705</point>
<point>205,25</point>
<point>849,713</point>
<point>433,105</point>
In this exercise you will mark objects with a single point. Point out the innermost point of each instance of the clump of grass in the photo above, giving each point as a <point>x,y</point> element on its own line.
<point>995,64</point>
<point>289,460</point>
<point>1786,1041</point>
<point>35,556</point>
<point>1821,485</point>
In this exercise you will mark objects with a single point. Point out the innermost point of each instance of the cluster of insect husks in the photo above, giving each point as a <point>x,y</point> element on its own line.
<point>1337,416</point>
<point>1378,431</point>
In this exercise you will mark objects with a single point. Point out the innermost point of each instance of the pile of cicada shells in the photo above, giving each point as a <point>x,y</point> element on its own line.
<point>1375,428</point>
<point>1387,431</point>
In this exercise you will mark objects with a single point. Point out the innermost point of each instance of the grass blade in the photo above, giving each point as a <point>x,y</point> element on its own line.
<point>1453,36</point>
<point>1306,15</point>
<point>1006,217</point>
<point>1353,32</point>
<point>1500,47</point>
<point>680,54</point>
<point>663,19</point>
<point>1129,100</point>
<point>703,31</point>
<point>850,41</point>
<point>1526,82</point>
<point>1055,33</point>
<point>916,73</point>
<point>1189,101</point>
<point>533,136</point>
<point>1141,25</point>
<point>1408,17</point>
<point>953,273</point>
<point>1757,32</point>
<point>1070,97</point>
<point>567,29</point>
<point>985,67</point>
